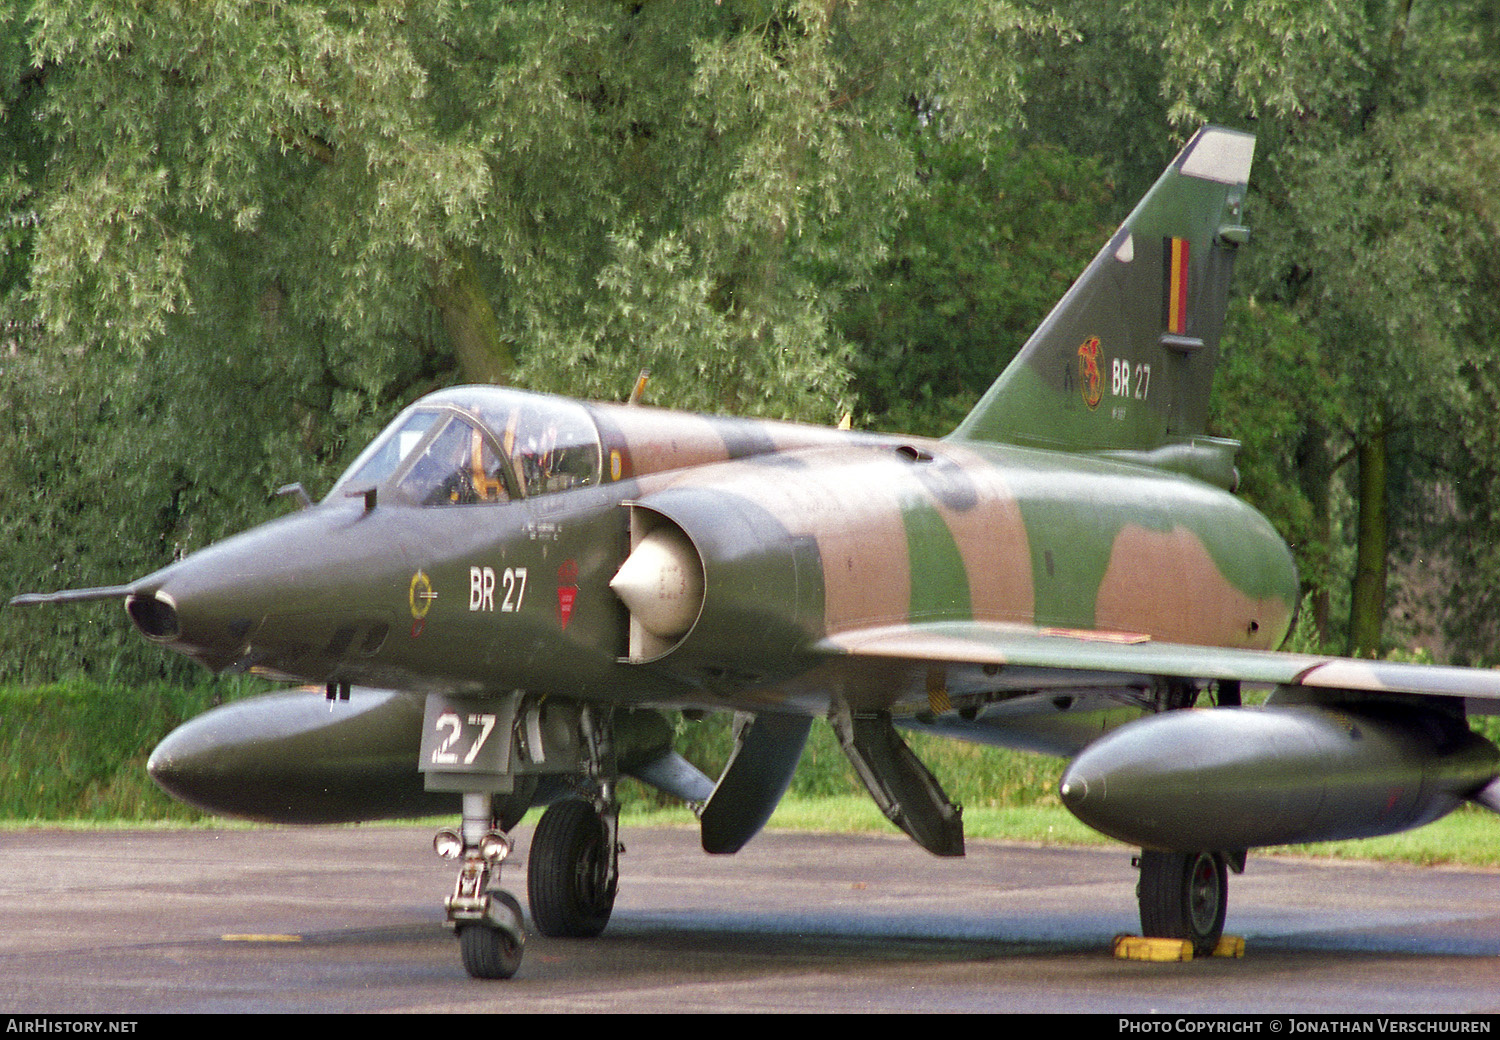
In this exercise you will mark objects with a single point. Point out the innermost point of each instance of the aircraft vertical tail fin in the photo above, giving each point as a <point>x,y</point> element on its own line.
<point>1125,361</point>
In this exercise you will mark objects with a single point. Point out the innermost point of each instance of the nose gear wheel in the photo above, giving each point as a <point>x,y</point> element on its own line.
<point>489,952</point>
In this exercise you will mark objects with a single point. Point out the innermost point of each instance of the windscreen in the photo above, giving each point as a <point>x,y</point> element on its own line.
<point>456,467</point>
<point>386,452</point>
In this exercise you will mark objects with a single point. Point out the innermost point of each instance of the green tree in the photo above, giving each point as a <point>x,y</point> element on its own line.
<point>578,186</point>
<point>1277,395</point>
<point>262,226</point>
<point>22,157</point>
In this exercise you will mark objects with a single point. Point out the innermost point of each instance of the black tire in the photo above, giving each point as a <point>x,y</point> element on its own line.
<point>1184,895</point>
<point>488,952</point>
<point>566,871</point>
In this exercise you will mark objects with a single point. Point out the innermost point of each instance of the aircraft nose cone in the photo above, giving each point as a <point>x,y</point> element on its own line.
<point>188,614</point>
<point>212,605</point>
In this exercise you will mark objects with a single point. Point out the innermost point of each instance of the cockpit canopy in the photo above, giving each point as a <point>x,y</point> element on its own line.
<point>476,444</point>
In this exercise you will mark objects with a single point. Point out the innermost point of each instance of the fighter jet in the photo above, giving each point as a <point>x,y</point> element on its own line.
<point>502,596</point>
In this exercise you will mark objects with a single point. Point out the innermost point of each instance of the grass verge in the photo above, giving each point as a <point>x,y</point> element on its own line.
<point>1465,838</point>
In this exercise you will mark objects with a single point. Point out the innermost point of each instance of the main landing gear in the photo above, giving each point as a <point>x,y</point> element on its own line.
<point>1184,895</point>
<point>573,869</point>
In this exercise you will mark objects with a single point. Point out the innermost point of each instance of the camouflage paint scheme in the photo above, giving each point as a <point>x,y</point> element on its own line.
<point>1070,559</point>
<point>802,547</point>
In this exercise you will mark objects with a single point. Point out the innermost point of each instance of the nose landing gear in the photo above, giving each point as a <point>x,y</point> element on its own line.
<point>545,747</point>
<point>491,946</point>
<point>491,929</point>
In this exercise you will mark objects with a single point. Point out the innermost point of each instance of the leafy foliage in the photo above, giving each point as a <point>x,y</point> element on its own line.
<point>256,229</point>
<point>1276,394</point>
<point>984,252</point>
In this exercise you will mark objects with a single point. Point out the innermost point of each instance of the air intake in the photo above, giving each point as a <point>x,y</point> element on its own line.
<point>155,615</point>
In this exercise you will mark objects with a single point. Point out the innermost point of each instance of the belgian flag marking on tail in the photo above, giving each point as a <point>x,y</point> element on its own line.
<point>1174,285</point>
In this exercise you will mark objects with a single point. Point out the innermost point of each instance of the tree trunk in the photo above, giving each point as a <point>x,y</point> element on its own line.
<point>469,321</point>
<point>1367,610</point>
<point>1315,468</point>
